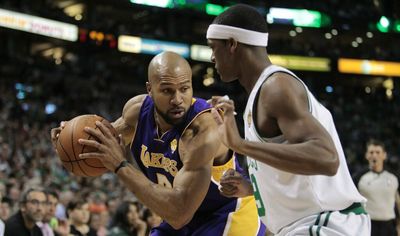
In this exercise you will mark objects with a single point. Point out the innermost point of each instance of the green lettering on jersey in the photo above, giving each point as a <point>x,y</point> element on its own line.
<point>257,196</point>
<point>253,164</point>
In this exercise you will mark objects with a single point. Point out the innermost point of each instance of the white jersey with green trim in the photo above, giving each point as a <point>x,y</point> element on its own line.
<point>283,197</point>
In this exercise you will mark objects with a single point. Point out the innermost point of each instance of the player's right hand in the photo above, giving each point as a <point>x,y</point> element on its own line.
<point>55,132</point>
<point>227,127</point>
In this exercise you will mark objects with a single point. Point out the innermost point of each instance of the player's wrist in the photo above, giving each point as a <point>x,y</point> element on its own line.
<point>122,164</point>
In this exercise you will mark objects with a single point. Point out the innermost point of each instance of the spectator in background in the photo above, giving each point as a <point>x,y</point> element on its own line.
<point>112,204</point>
<point>32,209</point>
<point>13,193</point>
<point>50,226</point>
<point>381,188</point>
<point>5,208</point>
<point>79,215</point>
<point>2,226</point>
<point>98,224</point>
<point>126,221</point>
<point>151,218</point>
<point>65,198</point>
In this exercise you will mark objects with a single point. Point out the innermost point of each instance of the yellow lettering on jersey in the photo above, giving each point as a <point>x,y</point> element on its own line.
<point>172,168</point>
<point>155,159</point>
<point>145,156</point>
<point>158,160</point>
<point>173,145</point>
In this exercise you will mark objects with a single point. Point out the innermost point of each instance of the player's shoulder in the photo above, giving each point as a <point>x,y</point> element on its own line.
<point>199,113</point>
<point>135,101</point>
<point>132,108</point>
<point>203,118</point>
<point>282,94</point>
<point>202,124</point>
<point>281,84</point>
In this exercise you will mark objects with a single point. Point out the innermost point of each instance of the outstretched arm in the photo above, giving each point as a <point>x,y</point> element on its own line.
<point>177,205</point>
<point>310,149</point>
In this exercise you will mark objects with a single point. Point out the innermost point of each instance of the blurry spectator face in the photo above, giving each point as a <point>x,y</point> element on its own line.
<point>51,208</point>
<point>5,210</point>
<point>375,156</point>
<point>35,207</point>
<point>80,215</point>
<point>14,193</point>
<point>66,197</point>
<point>132,214</point>
<point>3,189</point>
<point>104,218</point>
<point>95,221</point>
<point>112,205</point>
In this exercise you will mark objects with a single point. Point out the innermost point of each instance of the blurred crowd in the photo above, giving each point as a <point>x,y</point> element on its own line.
<point>36,95</point>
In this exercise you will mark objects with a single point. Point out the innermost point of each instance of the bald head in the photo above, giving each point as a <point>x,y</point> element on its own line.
<point>168,64</point>
<point>170,88</point>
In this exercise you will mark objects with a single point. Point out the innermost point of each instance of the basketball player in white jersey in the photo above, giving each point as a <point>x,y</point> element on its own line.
<point>296,162</point>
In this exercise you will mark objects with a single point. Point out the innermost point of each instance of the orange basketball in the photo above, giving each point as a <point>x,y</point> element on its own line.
<point>69,148</point>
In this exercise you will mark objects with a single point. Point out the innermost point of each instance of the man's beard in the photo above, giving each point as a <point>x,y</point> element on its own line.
<point>167,119</point>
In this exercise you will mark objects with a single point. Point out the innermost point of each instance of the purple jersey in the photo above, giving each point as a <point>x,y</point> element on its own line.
<point>159,160</point>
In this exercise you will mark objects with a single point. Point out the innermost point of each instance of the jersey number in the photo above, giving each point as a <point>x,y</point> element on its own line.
<point>257,196</point>
<point>163,180</point>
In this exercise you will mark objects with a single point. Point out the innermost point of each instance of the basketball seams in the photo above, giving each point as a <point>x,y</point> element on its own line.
<point>66,154</point>
<point>84,146</point>
<point>69,148</point>
<point>89,138</point>
<point>73,149</point>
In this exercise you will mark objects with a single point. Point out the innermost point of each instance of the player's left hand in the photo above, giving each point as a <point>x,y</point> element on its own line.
<point>233,184</point>
<point>110,149</point>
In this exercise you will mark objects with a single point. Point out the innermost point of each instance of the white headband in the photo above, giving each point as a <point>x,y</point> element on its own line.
<point>250,37</point>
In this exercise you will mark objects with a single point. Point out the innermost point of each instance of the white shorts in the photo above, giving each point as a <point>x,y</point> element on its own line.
<point>330,223</point>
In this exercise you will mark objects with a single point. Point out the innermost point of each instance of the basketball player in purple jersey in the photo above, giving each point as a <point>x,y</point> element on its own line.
<point>178,157</point>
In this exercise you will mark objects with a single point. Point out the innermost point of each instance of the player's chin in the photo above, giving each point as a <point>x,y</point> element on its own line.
<point>227,78</point>
<point>177,114</point>
<point>176,119</point>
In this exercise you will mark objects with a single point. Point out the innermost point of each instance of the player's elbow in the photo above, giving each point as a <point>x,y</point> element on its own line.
<point>178,224</point>
<point>179,216</point>
<point>332,163</point>
<point>179,221</point>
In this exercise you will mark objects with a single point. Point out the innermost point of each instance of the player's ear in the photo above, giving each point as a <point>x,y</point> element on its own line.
<point>148,88</point>
<point>232,43</point>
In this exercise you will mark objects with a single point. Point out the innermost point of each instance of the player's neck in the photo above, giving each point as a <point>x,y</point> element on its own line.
<point>252,71</point>
<point>377,168</point>
<point>161,125</point>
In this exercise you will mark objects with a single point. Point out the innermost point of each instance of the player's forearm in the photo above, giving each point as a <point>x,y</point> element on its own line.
<point>309,158</point>
<point>166,202</point>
